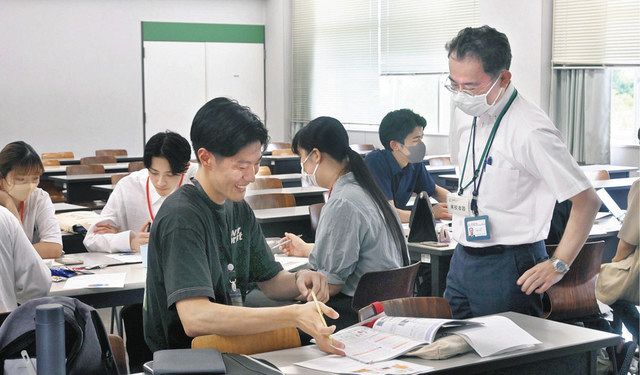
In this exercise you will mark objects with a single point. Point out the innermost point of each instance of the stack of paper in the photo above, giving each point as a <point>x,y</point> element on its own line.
<point>101,280</point>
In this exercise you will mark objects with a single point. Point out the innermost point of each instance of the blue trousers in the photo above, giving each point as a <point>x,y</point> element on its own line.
<point>482,281</point>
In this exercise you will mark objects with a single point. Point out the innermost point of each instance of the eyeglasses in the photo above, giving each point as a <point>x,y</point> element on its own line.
<point>455,88</point>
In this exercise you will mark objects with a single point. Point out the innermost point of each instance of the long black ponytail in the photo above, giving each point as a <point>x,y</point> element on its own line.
<point>329,136</point>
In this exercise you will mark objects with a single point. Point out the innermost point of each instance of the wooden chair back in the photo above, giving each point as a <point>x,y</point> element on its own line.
<point>58,155</point>
<point>439,160</point>
<point>314,214</point>
<point>85,169</point>
<point>384,285</point>
<point>264,171</point>
<point>117,177</point>
<point>98,160</point>
<point>598,175</point>
<point>119,353</point>
<point>278,146</point>
<point>135,166</point>
<point>111,152</point>
<point>574,296</point>
<point>265,183</point>
<point>55,192</point>
<point>283,152</point>
<point>278,200</point>
<point>50,162</point>
<point>362,147</point>
<point>278,339</point>
<point>415,307</point>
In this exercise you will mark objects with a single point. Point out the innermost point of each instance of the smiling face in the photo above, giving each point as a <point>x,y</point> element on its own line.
<point>163,180</point>
<point>228,177</point>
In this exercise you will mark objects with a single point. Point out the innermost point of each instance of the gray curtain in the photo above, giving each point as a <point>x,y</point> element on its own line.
<point>580,107</point>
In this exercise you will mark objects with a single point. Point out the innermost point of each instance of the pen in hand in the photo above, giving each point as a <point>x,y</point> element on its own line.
<point>315,301</point>
<point>281,242</point>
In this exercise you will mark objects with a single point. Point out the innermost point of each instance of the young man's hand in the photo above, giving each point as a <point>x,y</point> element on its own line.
<point>295,246</point>
<point>441,212</point>
<point>105,228</point>
<point>309,321</point>
<point>307,280</point>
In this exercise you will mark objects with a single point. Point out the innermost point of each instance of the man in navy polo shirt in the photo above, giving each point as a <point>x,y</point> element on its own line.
<point>398,169</point>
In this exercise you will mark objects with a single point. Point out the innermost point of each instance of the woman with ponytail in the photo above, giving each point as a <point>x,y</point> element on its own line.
<point>358,231</point>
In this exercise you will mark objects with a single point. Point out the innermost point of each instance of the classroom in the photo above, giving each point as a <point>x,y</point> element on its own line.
<point>194,184</point>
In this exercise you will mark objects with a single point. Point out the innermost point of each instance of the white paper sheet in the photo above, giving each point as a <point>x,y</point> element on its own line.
<point>346,365</point>
<point>101,280</point>
<point>126,257</point>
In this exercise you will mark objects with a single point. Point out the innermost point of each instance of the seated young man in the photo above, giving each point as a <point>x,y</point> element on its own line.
<point>206,247</point>
<point>398,169</point>
<point>136,199</point>
<point>24,274</point>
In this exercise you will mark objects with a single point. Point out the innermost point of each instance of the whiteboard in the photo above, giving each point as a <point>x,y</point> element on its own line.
<point>174,86</point>
<point>236,70</point>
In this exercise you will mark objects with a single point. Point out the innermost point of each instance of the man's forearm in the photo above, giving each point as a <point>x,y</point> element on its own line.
<point>281,287</point>
<point>585,205</point>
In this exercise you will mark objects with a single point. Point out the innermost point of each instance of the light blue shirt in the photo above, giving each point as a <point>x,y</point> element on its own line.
<point>352,237</point>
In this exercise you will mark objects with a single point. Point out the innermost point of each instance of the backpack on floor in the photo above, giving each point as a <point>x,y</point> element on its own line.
<point>86,344</point>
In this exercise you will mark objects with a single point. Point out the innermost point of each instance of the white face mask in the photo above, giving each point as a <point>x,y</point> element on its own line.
<point>474,105</point>
<point>21,192</point>
<point>308,179</point>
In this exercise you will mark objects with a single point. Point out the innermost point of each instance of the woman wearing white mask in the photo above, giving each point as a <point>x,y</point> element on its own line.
<point>20,171</point>
<point>358,230</point>
<point>126,218</point>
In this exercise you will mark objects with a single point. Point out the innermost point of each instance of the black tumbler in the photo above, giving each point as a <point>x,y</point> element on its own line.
<point>50,350</point>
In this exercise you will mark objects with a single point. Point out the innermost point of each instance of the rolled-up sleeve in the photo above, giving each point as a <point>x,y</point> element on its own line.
<point>337,248</point>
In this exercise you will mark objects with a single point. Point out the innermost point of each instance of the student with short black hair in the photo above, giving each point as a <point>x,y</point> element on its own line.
<point>24,274</point>
<point>206,247</point>
<point>399,168</point>
<point>358,231</point>
<point>20,171</point>
<point>136,199</point>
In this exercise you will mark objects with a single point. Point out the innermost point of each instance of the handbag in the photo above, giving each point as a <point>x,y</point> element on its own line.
<point>619,280</point>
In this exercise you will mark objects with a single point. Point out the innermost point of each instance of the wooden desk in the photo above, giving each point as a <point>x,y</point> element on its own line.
<point>288,179</point>
<point>565,350</point>
<point>119,159</point>
<point>305,196</point>
<point>57,170</point>
<point>79,186</point>
<point>615,171</point>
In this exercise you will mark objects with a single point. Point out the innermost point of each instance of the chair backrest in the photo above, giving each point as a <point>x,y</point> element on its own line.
<point>265,183</point>
<point>98,160</point>
<point>283,152</point>
<point>278,146</point>
<point>598,175</point>
<point>50,162</point>
<point>264,171</point>
<point>384,285</point>
<point>58,155</point>
<point>111,152</point>
<point>135,166</point>
<point>119,353</point>
<point>283,338</point>
<point>85,169</point>
<point>415,307</point>
<point>574,296</point>
<point>262,201</point>
<point>362,147</point>
<point>117,177</point>
<point>439,160</point>
<point>314,214</point>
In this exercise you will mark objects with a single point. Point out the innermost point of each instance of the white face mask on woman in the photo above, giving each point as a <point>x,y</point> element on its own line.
<point>474,105</point>
<point>308,179</point>
<point>21,192</point>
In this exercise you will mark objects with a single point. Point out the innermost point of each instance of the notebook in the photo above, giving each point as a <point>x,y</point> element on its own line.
<point>611,205</point>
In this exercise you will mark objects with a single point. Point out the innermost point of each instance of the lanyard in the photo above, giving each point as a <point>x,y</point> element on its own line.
<point>151,215</point>
<point>21,209</point>
<point>478,171</point>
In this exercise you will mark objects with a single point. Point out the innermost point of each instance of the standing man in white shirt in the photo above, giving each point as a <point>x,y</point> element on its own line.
<point>514,167</point>
<point>24,274</point>
<point>133,204</point>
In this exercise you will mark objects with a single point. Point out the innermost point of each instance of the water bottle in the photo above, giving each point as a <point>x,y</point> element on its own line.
<point>50,350</point>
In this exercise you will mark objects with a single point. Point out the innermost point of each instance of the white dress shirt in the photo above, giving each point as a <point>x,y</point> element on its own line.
<point>39,221</point>
<point>24,274</point>
<point>530,169</point>
<point>128,209</point>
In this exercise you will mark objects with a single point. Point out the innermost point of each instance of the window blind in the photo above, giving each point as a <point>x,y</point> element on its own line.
<point>596,32</point>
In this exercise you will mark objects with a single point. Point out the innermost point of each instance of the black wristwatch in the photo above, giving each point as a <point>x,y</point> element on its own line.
<point>559,265</point>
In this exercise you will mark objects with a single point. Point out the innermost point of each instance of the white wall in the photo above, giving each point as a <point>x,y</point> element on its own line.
<point>71,70</point>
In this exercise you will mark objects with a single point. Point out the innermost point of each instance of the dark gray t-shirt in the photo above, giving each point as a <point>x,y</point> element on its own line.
<point>192,242</point>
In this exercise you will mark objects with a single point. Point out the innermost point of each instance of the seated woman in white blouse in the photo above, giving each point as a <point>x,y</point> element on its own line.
<point>20,171</point>
<point>133,204</point>
<point>24,274</point>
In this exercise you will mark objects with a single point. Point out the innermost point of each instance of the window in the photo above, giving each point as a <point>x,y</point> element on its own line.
<point>356,60</point>
<point>625,105</point>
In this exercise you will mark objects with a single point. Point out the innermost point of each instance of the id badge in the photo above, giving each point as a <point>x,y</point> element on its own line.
<point>235,295</point>
<point>477,228</point>
<point>459,204</point>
